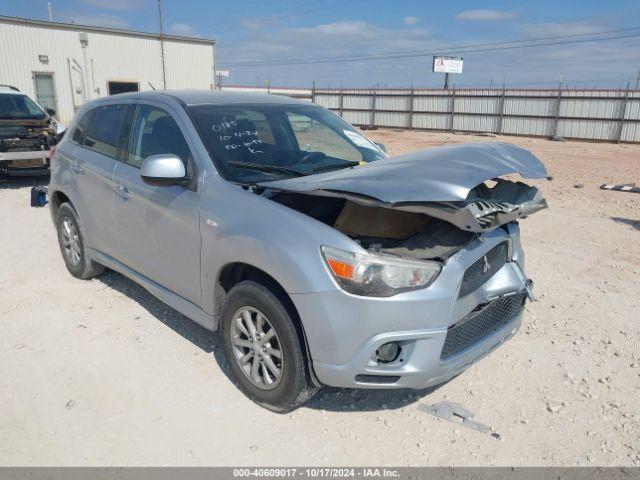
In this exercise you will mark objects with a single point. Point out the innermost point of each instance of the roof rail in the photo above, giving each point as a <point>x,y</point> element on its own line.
<point>10,87</point>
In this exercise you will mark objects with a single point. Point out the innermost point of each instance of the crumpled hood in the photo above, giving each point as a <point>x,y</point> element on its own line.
<point>440,174</point>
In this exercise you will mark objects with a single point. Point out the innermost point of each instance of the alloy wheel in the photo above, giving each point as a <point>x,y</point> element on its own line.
<point>256,348</point>
<point>71,241</point>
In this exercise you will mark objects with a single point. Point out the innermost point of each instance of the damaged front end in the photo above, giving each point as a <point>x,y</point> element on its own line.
<point>25,145</point>
<point>423,206</point>
<point>488,206</point>
<point>445,218</point>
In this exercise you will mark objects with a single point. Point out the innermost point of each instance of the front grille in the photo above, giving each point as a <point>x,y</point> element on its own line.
<point>483,269</point>
<point>482,322</point>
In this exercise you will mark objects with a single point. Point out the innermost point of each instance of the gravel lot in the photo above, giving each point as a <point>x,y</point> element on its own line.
<point>100,373</point>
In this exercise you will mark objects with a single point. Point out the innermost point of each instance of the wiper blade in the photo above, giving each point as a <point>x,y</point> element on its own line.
<point>260,167</point>
<point>335,166</point>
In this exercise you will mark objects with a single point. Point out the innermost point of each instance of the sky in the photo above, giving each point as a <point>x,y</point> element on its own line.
<point>298,33</point>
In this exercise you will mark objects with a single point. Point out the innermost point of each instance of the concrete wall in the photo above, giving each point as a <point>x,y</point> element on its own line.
<point>115,56</point>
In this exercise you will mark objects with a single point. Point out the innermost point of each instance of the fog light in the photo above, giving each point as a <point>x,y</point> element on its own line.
<point>387,353</point>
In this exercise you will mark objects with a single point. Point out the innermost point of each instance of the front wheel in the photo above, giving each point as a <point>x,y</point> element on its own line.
<point>263,348</point>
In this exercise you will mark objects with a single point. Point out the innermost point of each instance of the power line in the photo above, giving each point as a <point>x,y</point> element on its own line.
<point>449,51</point>
<point>354,56</point>
<point>506,45</point>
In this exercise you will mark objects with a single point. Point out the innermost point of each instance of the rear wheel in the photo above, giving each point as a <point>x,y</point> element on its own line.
<point>73,244</point>
<point>263,348</point>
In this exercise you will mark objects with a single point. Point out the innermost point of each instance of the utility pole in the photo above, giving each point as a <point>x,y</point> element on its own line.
<point>446,81</point>
<point>164,66</point>
<point>638,79</point>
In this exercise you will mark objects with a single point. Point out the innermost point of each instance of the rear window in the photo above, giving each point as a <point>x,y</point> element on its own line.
<point>19,107</point>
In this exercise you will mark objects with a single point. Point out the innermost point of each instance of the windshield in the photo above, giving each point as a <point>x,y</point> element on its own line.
<point>19,107</point>
<point>258,143</point>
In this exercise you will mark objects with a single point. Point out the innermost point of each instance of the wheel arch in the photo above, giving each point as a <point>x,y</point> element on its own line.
<point>56,199</point>
<point>235,272</point>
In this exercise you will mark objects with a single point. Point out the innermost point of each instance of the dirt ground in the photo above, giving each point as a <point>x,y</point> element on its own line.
<point>100,373</point>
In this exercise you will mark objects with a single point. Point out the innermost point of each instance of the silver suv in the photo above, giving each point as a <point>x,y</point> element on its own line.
<point>319,259</point>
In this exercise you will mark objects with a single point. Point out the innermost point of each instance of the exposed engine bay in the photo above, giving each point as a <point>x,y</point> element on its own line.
<point>25,145</point>
<point>27,138</point>
<point>413,234</point>
<point>425,205</point>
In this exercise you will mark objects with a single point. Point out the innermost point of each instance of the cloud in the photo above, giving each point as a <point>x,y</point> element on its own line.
<point>183,30</point>
<point>561,28</point>
<point>346,29</point>
<point>128,5</point>
<point>259,23</point>
<point>336,40</point>
<point>411,20</point>
<point>100,20</point>
<point>253,24</point>
<point>486,15</point>
<point>542,66</point>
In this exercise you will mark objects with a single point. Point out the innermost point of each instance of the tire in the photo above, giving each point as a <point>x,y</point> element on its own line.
<point>73,244</point>
<point>248,301</point>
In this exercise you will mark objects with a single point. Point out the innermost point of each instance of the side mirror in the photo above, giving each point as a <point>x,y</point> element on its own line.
<point>163,170</point>
<point>50,111</point>
<point>381,146</point>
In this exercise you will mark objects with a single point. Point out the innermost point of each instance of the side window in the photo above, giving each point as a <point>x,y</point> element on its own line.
<point>155,132</point>
<point>103,129</point>
<point>312,136</point>
<point>81,129</point>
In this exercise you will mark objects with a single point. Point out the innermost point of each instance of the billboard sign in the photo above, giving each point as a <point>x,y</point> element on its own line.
<point>447,64</point>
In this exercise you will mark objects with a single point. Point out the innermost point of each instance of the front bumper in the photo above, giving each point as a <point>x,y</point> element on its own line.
<point>24,163</point>
<point>424,367</point>
<point>344,331</point>
<point>40,155</point>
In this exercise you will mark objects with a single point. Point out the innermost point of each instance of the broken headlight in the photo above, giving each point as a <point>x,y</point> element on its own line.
<point>377,275</point>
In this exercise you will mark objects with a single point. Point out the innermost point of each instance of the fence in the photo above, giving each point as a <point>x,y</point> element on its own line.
<point>600,115</point>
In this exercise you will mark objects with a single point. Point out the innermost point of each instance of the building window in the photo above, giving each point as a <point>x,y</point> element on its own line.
<point>122,87</point>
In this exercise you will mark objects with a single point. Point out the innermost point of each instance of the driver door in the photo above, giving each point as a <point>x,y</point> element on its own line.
<point>158,227</point>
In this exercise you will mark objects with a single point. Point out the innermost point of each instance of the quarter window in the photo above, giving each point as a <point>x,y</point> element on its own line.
<point>155,132</point>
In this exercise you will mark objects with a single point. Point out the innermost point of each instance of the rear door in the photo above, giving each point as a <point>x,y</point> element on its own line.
<point>158,227</point>
<point>92,155</point>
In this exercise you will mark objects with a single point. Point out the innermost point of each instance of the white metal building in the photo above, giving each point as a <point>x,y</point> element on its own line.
<point>62,65</point>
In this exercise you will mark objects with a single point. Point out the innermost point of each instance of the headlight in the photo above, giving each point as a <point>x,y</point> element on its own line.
<point>377,275</point>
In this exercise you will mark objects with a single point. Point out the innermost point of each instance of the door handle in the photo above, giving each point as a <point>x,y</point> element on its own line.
<point>77,168</point>
<point>122,191</point>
